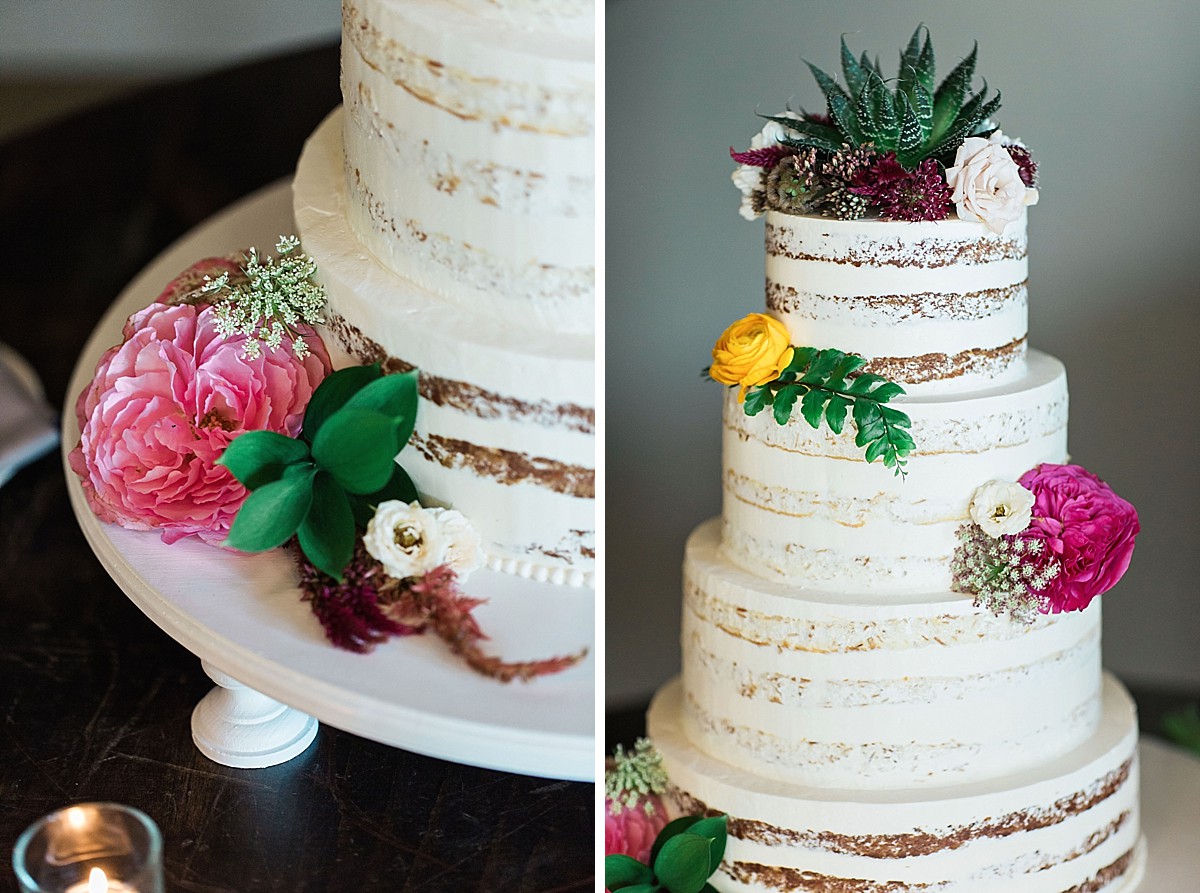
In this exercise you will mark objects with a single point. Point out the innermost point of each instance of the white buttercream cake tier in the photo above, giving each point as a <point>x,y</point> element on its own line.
<point>802,505</point>
<point>857,692</point>
<point>1069,823</point>
<point>938,307</point>
<point>505,430</point>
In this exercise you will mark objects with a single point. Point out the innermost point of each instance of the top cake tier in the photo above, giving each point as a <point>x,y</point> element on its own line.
<point>470,151</point>
<point>937,307</point>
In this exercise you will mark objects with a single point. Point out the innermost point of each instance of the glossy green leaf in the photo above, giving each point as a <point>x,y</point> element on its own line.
<point>785,399</point>
<point>327,534</point>
<point>399,486</point>
<point>852,71</point>
<point>835,412</point>
<point>885,391</point>
<point>621,871</point>
<point>358,447</point>
<point>847,120</point>
<point>828,85</point>
<point>948,99</point>
<point>391,395</point>
<point>716,828</point>
<point>271,514</point>
<point>259,457</point>
<point>332,394</point>
<point>757,399</point>
<point>682,864</point>
<point>671,829</point>
<point>813,406</point>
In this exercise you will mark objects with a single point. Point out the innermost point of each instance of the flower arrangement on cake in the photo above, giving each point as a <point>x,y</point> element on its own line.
<point>915,152</point>
<point>643,851</point>
<point>1048,543</point>
<point>218,416</point>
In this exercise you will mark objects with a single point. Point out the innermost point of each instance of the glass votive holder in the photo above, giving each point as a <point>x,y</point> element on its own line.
<point>90,848</point>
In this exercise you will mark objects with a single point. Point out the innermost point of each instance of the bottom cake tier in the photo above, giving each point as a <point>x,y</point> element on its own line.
<point>1068,826</point>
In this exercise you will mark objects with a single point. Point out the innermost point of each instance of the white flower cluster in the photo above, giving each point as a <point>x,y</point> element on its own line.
<point>409,540</point>
<point>1004,575</point>
<point>987,184</point>
<point>279,295</point>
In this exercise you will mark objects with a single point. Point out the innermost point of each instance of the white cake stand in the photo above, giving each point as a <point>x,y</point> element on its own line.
<point>277,674</point>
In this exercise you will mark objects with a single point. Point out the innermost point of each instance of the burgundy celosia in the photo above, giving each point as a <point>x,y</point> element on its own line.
<point>1085,526</point>
<point>766,157</point>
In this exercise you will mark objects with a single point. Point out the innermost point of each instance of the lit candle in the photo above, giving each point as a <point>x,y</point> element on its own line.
<point>98,882</point>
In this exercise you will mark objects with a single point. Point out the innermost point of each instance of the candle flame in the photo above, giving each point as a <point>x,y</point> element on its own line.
<point>97,881</point>
<point>76,817</point>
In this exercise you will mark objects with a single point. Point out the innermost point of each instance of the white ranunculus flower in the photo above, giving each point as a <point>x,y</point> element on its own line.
<point>1001,508</point>
<point>461,542</point>
<point>987,183</point>
<point>748,179</point>
<point>405,538</point>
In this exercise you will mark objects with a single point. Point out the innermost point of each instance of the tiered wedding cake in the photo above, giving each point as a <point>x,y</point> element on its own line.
<point>864,722</point>
<point>450,207</point>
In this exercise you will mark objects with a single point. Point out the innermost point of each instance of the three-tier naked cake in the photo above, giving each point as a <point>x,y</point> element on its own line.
<point>891,668</point>
<point>450,206</point>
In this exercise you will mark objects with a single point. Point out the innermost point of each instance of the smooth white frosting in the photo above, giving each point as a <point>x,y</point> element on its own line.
<point>850,691</point>
<point>528,529</point>
<point>1072,815</point>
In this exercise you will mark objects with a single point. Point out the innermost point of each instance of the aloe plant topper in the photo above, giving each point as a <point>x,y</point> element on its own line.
<point>902,148</point>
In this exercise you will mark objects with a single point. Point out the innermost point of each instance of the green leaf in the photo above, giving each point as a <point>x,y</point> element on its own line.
<point>925,65</point>
<point>863,383</point>
<point>1182,726</point>
<point>828,85</point>
<point>671,829</point>
<point>801,358</point>
<point>622,871</point>
<point>642,888</point>
<point>868,421</point>
<point>851,70</point>
<point>400,487</point>
<point>948,99</point>
<point>259,457</point>
<point>327,534</point>
<point>876,449</point>
<point>272,513</point>
<point>358,447</point>
<point>682,864</point>
<point>391,395</point>
<point>716,829</point>
<point>813,405</point>
<point>332,394</point>
<point>757,399</point>
<point>847,120</point>
<point>785,399</point>
<point>877,113</point>
<point>912,138</point>
<point>885,391</point>
<point>822,366</point>
<point>835,413</point>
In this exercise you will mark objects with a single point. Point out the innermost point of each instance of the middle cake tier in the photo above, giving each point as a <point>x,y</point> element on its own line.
<point>861,692</point>
<point>801,505</point>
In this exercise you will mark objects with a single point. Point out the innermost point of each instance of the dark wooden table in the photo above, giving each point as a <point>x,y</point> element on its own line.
<point>95,700</point>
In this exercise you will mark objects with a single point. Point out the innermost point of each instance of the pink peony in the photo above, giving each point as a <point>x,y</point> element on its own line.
<point>632,831</point>
<point>1086,527</point>
<point>161,409</point>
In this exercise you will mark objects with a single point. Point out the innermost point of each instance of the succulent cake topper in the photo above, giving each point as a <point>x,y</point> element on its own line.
<point>903,148</point>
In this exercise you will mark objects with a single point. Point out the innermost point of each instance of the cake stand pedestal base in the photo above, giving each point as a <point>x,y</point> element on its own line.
<point>236,726</point>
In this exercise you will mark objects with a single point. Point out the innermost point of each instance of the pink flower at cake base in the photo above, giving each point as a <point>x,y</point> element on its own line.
<point>1085,526</point>
<point>632,830</point>
<point>161,409</point>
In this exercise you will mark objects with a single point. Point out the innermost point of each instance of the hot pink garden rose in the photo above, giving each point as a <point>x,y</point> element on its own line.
<point>1087,527</point>
<point>632,831</point>
<point>162,407</point>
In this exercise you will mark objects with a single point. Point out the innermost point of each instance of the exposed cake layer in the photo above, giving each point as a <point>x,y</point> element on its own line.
<point>859,693</point>
<point>937,307</point>
<point>470,152</point>
<point>801,504</point>
<point>1066,826</point>
<point>505,429</point>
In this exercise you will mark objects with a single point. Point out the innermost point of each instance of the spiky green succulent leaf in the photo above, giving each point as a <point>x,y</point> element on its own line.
<point>847,121</point>
<point>852,70</point>
<point>969,122</point>
<point>822,136</point>
<point>948,100</point>
<point>912,136</point>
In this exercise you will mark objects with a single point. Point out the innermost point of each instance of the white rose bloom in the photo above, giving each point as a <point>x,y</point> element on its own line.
<point>749,180</point>
<point>987,183</point>
<point>1001,508</point>
<point>461,542</point>
<point>405,539</point>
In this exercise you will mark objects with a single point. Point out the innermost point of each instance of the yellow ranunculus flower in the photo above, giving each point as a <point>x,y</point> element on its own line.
<point>752,351</point>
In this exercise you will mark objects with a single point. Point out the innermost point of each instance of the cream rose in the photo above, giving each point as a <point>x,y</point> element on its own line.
<point>986,183</point>
<point>405,539</point>
<point>463,549</point>
<point>1001,508</point>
